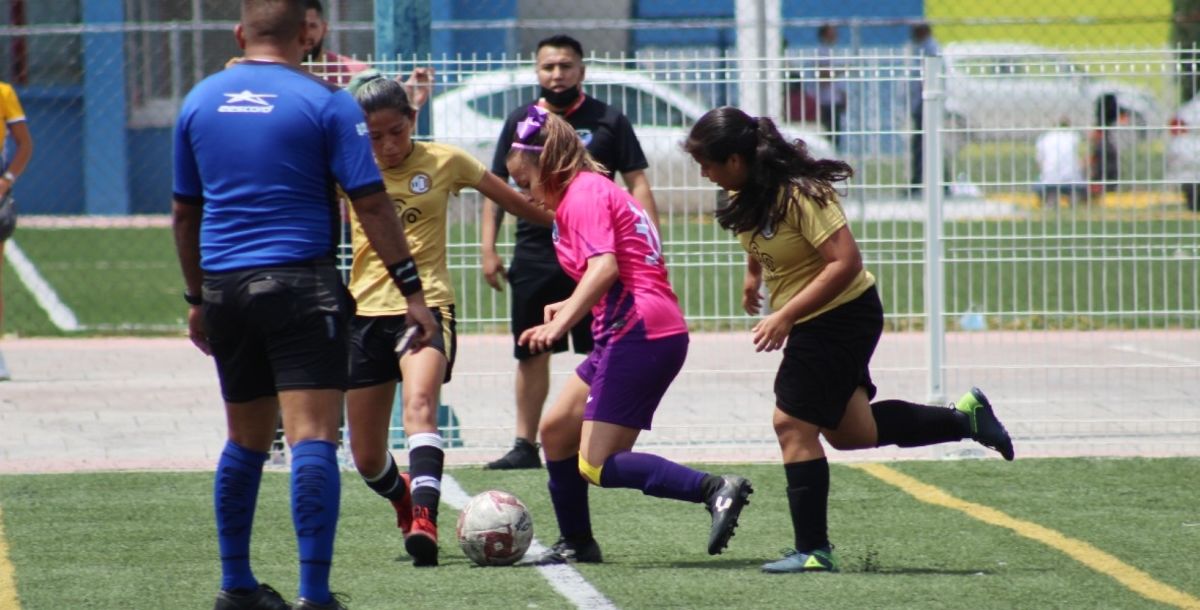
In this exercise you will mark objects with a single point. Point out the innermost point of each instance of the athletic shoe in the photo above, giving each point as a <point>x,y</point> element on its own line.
<point>816,560</point>
<point>262,598</point>
<point>725,506</point>
<point>404,508</point>
<point>421,541</point>
<point>523,455</point>
<point>565,551</point>
<point>337,603</point>
<point>985,428</point>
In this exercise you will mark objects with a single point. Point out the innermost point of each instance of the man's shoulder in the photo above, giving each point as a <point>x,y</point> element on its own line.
<point>595,111</point>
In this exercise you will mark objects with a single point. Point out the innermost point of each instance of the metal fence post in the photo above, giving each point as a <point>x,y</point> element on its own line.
<point>932,102</point>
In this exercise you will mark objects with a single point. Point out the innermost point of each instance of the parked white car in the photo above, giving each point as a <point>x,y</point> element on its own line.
<point>1183,152</point>
<point>472,114</point>
<point>1019,89</point>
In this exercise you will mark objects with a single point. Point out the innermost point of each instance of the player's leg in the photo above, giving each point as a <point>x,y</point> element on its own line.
<point>310,420</point>
<point>424,372</point>
<point>374,372</point>
<point>807,473</point>
<point>251,410</point>
<point>4,374</point>
<point>560,433</point>
<point>533,286</point>
<point>630,380</point>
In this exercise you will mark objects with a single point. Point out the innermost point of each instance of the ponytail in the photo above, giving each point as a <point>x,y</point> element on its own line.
<point>774,164</point>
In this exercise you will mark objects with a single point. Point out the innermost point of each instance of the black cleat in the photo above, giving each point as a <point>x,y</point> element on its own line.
<point>986,429</point>
<point>262,598</point>
<point>523,455</point>
<point>565,551</point>
<point>337,603</point>
<point>725,506</point>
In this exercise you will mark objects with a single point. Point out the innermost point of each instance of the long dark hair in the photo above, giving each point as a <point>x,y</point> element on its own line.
<point>775,164</point>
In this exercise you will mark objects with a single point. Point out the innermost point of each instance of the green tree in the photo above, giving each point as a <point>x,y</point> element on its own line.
<point>1185,34</point>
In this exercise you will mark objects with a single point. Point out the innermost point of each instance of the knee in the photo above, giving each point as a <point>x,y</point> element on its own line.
<point>589,472</point>
<point>421,406</point>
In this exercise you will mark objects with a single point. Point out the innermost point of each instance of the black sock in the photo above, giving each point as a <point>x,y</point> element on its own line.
<point>709,486</point>
<point>808,501</point>
<point>388,484</point>
<point>906,424</point>
<point>425,466</point>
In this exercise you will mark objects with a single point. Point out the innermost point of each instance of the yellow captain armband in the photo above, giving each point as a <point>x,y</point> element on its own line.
<point>589,472</point>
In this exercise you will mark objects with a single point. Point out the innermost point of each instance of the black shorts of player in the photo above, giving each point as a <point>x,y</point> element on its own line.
<point>827,359</point>
<point>373,346</point>
<point>278,328</point>
<point>534,286</point>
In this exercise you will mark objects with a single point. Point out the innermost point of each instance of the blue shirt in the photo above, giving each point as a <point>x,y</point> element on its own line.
<point>260,145</point>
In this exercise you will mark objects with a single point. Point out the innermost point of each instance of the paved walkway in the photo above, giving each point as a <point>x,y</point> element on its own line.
<point>100,404</point>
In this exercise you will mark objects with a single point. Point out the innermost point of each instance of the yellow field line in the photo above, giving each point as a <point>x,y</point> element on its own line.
<point>1140,582</point>
<point>8,579</point>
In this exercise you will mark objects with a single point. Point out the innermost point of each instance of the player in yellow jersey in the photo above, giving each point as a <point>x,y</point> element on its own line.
<point>826,316</point>
<point>12,119</point>
<point>420,178</point>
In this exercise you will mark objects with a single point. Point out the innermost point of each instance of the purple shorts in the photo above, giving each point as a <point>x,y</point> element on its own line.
<point>629,376</point>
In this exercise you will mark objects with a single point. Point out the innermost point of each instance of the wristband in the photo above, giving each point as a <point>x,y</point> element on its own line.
<point>404,273</point>
<point>192,299</point>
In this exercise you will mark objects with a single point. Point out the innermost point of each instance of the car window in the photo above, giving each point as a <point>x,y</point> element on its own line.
<point>641,107</point>
<point>497,105</point>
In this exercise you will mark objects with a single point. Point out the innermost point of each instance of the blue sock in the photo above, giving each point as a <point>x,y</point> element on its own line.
<point>316,491</point>
<point>654,475</point>
<point>569,494</point>
<point>235,494</point>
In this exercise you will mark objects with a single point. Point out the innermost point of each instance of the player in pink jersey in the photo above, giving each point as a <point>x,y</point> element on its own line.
<point>606,241</point>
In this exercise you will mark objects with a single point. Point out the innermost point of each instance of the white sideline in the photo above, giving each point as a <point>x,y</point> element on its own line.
<point>565,579</point>
<point>43,293</point>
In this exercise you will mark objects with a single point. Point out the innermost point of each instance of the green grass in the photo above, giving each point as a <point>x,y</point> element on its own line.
<point>1139,24</point>
<point>144,540</point>
<point>1076,269</point>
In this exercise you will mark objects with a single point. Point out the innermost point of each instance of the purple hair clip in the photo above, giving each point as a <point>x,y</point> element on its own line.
<point>529,127</point>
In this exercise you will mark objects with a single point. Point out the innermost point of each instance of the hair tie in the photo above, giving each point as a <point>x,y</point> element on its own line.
<point>363,78</point>
<point>529,127</point>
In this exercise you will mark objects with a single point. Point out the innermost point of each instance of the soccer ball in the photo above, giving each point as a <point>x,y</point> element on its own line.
<point>495,529</point>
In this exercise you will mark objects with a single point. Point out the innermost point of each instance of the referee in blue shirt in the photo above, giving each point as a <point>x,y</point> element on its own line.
<point>258,150</point>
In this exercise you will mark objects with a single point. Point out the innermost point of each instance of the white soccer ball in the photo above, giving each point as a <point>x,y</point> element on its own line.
<point>495,529</point>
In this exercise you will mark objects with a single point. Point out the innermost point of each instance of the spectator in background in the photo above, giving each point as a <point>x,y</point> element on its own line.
<point>536,277</point>
<point>256,235</point>
<point>1103,159</point>
<point>339,69</point>
<point>923,44</point>
<point>831,93</point>
<point>1060,164</point>
<point>12,119</point>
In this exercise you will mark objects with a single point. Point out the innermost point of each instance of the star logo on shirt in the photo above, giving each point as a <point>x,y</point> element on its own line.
<point>247,102</point>
<point>247,96</point>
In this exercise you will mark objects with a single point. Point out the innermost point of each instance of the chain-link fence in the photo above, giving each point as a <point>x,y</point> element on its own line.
<point>1012,185</point>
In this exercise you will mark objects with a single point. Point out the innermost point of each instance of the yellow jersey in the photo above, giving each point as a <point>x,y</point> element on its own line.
<point>10,111</point>
<point>789,256</point>
<point>421,188</point>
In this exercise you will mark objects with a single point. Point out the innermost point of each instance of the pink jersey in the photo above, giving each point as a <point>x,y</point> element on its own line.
<point>596,217</point>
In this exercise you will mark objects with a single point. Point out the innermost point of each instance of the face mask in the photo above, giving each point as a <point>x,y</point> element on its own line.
<point>561,99</point>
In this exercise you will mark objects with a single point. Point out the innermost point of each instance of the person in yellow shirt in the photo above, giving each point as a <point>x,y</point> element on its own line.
<point>12,119</point>
<point>420,178</point>
<point>826,316</point>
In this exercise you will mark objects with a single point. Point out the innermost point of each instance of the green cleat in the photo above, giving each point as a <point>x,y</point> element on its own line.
<point>985,428</point>
<point>816,560</point>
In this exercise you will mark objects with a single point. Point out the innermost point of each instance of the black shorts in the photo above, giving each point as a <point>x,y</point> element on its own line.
<point>534,286</point>
<point>278,328</point>
<point>373,346</point>
<point>827,359</point>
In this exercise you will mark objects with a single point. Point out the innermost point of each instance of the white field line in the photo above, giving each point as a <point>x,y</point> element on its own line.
<point>565,579</point>
<point>1168,356</point>
<point>43,292</point>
